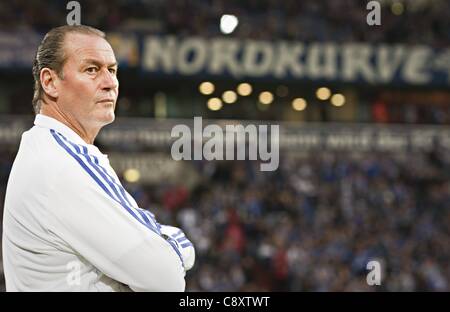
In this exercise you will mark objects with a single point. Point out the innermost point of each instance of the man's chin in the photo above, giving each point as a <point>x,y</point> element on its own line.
<point>110,118</point>
<point>106,119</point>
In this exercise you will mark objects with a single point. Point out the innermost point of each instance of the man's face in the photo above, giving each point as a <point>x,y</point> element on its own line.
<point>88,92</point>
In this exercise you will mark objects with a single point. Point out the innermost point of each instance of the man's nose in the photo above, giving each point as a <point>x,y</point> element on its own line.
<point>109,81</point>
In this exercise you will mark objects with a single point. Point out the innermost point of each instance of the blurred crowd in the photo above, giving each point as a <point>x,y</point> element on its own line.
<point>417,22</point>
<point>314,224</point>
<point>311,225</point>
<point>407,113</point>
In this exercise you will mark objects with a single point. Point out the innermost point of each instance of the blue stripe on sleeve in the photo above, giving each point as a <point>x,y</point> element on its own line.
<point>95,167</point>
<point>188,244</point>
<point>57,136</point>
<point>182,239</point>
<point>111,182</point>
<point>82,164</point>
<point>179,234</point>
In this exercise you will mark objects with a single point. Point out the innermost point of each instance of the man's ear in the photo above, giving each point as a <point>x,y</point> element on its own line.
<point>49,82</point>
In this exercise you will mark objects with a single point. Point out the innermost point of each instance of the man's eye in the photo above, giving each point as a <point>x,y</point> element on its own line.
<point>91,70</point>
<point>113,71</point>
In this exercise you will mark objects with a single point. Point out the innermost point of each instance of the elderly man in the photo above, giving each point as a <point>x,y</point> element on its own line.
<point>69,225</point>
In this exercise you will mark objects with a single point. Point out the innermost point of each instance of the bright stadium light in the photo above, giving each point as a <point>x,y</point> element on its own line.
<point>299,104</point>
<point>229,97</point>
<point>244,89</point>
<point>228,23</point>
<point>338,99</point>
<point>131,175</point>
<point>266,97</point>
<point>206,88</point>
<point>323,93</point>
<point>214,104</point>
<point>397,8</point>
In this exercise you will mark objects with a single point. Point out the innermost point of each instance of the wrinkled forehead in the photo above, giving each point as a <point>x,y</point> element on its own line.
<point>79,47</point>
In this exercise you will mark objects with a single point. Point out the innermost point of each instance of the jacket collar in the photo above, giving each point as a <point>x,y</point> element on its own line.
<point>51,123</point>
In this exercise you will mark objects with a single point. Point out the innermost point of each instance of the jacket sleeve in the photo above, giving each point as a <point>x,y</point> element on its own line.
<point>110,235</point>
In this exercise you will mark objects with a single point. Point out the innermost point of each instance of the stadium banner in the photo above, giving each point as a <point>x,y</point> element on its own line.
<point>221,57</point>
<point>292,136</point>
<point>126,133</point>
<point>283,60</point>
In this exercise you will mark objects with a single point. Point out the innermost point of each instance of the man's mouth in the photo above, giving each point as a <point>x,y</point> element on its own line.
<point>107,102</point>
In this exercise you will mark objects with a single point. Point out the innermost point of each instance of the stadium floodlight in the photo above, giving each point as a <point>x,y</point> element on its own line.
<point>299,104</point>
<point>206,88</point>
<point>131,175</point>
<point>228,23</point>
<point>338,99</point>
<point>323,93</point>
<point>214,104</point>
<point>397,8</point>
<point>229,97</point>
<point>266,97</point>
<point>244,89</point>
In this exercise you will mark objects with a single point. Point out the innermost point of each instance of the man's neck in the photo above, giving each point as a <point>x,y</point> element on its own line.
<point>53,112</point>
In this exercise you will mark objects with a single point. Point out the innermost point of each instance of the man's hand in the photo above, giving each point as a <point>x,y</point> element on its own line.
<point>183,244</point>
